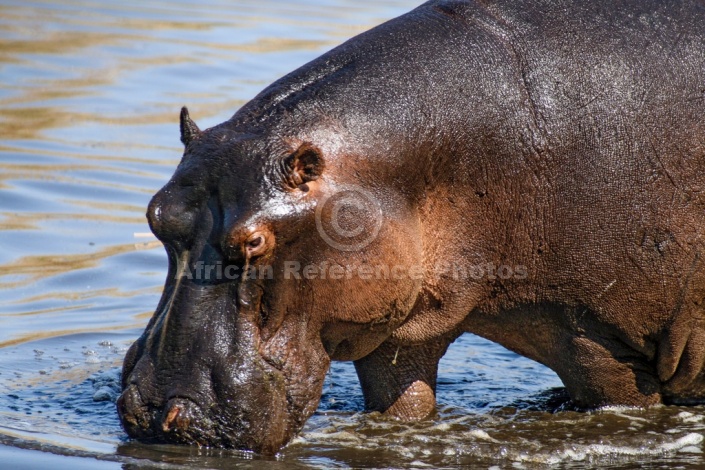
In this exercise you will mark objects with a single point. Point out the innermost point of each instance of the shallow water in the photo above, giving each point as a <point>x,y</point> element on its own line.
<point>89,98</point>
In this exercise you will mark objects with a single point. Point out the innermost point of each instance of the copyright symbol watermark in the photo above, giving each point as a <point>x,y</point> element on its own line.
<point>349,219</point>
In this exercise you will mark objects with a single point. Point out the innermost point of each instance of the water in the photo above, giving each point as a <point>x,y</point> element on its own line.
<point>89,98</point>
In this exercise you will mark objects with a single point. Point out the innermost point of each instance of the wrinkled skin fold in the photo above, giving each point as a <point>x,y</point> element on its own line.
<point>529,171</point>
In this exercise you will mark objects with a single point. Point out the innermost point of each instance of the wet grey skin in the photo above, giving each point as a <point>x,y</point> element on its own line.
<point>562,138</point>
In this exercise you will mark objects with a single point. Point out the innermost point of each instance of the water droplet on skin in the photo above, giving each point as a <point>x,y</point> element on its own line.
<point>247,294</point>
<point>243,295</point>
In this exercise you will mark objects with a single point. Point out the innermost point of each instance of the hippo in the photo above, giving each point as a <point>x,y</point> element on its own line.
<point>529,171</point>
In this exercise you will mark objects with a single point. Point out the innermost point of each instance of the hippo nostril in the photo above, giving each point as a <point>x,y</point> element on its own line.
<point>170,418</point>
<point>177,415</point>
<point>131,409</point>
<point>122,408</point>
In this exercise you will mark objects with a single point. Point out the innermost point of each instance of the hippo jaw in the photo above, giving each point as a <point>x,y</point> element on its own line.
<point>241,396</point>
<point>257,421</point>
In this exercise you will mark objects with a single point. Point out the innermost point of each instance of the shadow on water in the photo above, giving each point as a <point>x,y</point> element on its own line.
<point>89,102</point>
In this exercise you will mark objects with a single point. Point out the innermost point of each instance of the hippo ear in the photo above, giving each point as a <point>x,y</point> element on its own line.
<point>189,129</point>
<point>304,165</point>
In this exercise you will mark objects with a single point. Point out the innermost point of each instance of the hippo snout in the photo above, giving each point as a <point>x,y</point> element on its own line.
<point>179,420</point>
<point>234,404</point>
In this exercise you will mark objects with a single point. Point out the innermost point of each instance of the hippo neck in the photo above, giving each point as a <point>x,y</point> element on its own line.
<point>390,90</point>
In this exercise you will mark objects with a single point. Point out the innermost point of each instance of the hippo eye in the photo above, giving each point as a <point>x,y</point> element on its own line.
<point>256,244</point>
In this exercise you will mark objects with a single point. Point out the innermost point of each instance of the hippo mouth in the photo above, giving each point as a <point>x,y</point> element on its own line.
<point>223,393</point>
<point>256,420</point>
<point>181,421</point>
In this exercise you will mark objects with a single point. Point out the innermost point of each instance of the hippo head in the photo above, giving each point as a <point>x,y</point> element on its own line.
<point>280,259</point>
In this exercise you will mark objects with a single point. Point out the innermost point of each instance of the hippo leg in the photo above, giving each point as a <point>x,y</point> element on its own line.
<point>681,360</point>
<point>401,380</point>
<point>599,371</point>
